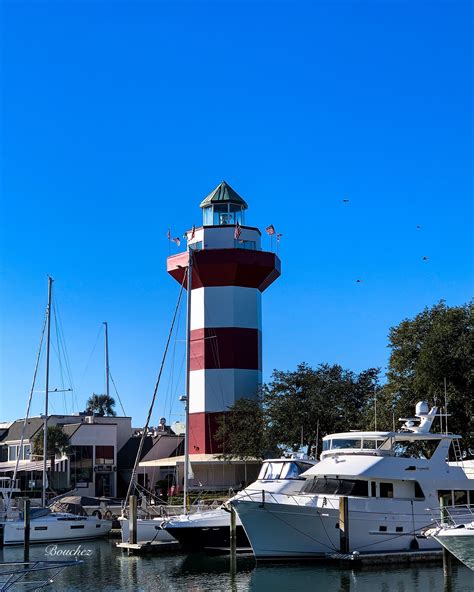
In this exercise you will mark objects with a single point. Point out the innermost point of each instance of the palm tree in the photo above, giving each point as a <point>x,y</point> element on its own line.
<point>101,405</point>
<point>58,444</point>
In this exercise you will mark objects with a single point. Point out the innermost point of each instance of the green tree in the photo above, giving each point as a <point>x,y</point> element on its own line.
<point>304,405</point>
<point>436,344</point>
<point>101,405</point>
<point>242,431</point>
<point>58,444</point>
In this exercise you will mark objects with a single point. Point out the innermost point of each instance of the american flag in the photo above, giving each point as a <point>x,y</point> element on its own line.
<point>176,240</point>
<point>270,229</point>
<point>279,237</point>
<point>169,234</point>
<point>237,231</point>
<point>193,231</point>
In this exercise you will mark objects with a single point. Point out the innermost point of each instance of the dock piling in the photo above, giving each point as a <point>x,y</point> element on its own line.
<point>132,520</point>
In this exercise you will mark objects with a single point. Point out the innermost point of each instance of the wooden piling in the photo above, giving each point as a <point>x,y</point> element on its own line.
<point>343,524</point>
<point>132,520</point>
<point>26,518</point>
<point>233,539</point>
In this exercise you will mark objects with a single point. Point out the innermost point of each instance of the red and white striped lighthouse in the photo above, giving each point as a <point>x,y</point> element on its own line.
<point>229,274</point>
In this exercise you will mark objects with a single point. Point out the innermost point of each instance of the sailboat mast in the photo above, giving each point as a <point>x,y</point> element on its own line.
<point>107,374</point>
<point>188,371</point>
<point>45,426</point>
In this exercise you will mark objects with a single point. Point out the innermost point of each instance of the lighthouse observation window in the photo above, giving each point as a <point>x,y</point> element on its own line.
<point>245,244</point>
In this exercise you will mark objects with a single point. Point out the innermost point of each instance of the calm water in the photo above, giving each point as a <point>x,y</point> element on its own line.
<point>108,569</point>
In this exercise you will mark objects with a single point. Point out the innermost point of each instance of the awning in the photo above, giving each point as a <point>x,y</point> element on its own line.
<point>196,459</point>
<point>26,465</point>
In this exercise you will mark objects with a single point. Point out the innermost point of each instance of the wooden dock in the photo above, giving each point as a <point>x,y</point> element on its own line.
<point>147,547</point>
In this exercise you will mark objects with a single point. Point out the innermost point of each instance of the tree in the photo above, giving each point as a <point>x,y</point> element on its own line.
<point>58,444</point>
<point>304,405</point>
<point>242,431</point>
<point>435,345</point>
<point>101,405</point>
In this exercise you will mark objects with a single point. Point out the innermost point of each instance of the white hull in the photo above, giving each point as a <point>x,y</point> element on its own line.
<point>310,527</point>
<point>459,542</point>
<point>55,528</point>
<point>147,530</point>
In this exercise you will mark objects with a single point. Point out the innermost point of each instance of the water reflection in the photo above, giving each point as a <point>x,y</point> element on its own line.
<point>109,569</point>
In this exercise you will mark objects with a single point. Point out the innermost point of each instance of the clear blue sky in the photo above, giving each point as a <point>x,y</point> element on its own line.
<point>118,117</point>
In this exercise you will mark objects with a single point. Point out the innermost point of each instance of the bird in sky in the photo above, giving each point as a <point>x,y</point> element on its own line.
<point>425,258</point>
<point>418,227</point>
<point>345,200</point>
<point>358,281</point>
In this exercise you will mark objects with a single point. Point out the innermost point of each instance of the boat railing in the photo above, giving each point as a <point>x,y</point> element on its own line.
<point>32,575</point>
<point>452,516</point>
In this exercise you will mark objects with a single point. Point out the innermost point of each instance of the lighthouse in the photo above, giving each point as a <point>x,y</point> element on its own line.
<point>230,271</point>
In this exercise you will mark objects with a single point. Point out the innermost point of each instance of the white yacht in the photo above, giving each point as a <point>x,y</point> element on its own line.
<point>210,529</point>
<point>370,492</point>
<point>54,527</point>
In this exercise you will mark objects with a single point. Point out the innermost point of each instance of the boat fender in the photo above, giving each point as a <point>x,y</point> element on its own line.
<point>97,514</point>
<point>108,515</point>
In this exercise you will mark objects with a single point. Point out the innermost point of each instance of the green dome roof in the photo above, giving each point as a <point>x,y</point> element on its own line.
<point>223,193</point>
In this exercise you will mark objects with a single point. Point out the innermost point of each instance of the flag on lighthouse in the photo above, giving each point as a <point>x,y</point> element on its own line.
<point>169,234</point>
<point>279,235</point>
<point>270,229</point>
<point>237,231</point>
<point>193,232</point>
<point>176,240</point>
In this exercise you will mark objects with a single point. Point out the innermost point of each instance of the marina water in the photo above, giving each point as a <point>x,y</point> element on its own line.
<point>106,568</point>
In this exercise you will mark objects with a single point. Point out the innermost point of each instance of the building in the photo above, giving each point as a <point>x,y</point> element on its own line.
<point>230,273</point>
<point>90,465</point>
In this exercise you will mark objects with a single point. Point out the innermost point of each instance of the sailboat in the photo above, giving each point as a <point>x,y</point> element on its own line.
<point>45,525</point>
<point>149,529</point>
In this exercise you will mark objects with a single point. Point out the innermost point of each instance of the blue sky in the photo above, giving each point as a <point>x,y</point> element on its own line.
<point>117,118</point>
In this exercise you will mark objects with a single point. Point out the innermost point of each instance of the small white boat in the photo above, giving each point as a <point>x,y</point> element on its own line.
<point>148,530</point>
<point>55,527</point>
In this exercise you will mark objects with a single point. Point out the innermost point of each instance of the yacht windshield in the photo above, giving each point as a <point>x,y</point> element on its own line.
<point>346,443</point>
<point>282,470</point>
<point>415,448</point>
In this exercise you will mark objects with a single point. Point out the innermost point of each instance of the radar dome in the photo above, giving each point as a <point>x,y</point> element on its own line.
<point>422,408</point>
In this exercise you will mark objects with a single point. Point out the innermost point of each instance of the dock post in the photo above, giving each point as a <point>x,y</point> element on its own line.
<point>132,520</point>
<point>26,518</point>
<point>233,539</point>
<point>343,524</point>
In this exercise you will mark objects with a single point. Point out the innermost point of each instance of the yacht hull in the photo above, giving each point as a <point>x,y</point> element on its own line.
<point>51,529</point>
<point>460,543</point>
<point>147,530</point>
<point>310,528</point>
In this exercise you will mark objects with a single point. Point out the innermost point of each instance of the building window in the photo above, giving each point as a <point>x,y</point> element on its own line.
<point>104,455</point>
<point>13,452</point>
<point>26,451</point>
<point>81,464</point>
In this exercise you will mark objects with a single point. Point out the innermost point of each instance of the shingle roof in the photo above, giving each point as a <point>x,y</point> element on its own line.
<point>33,425</point>
<point>223,193</point>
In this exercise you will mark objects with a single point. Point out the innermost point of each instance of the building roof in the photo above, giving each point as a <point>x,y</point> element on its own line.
<point>33,425</point>
<point>71,428</point>
<point>127,454</point>
<point>223,193</point>
<point>164,447</point>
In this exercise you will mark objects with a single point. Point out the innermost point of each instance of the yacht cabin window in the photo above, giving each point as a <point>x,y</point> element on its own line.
<point>386,489</point>
<point>282,470</point>
<point>354,487</point>
<point>346,443</point>
<point>415,448</point>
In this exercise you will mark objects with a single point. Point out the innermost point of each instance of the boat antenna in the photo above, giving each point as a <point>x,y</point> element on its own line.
<point>45,426</point>
<point>150,410</point>
<point>446,405</point>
